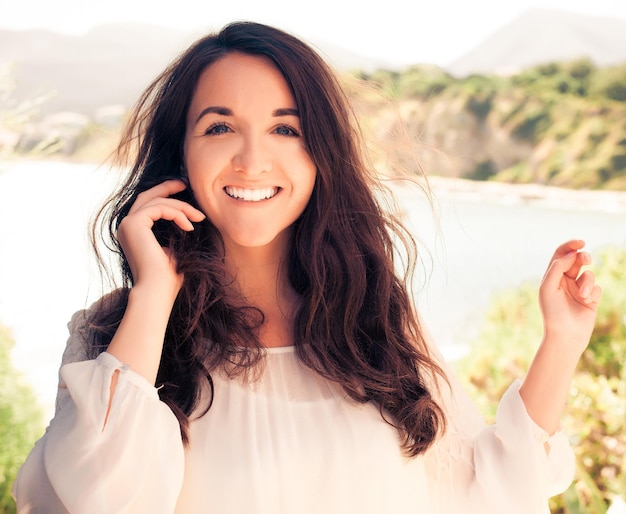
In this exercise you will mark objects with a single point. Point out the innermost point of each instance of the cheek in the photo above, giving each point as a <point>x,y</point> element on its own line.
<point>204,188</point>
<point>302,166</point>
<point>310,178</point>
<point>205,161</point>
<point>200,169</point>
<point>305,193</point>
<point>310,186</point>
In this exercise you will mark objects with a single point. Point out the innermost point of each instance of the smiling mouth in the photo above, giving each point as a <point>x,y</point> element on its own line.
<point>251,195</point>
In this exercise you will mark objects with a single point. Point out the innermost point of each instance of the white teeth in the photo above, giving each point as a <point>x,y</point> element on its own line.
<point>251,195</point>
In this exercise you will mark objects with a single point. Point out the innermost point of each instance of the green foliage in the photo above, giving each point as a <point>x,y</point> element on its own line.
<point>610,83</point>
<point>481,92</point>
<point>21,422</point>
<point>567,118</point>
<point>581,69</point>
<point>618,161</point>
<point>517,174</point>
<point>549,69</point>
<point>533,125</point>
<point>415,82</point>
<point>422,82</point>
<point>596,416</point>
<point>484,170</point>
<point>385,80</point>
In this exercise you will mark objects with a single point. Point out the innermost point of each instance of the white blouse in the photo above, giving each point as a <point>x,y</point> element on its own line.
<point>290,442</point>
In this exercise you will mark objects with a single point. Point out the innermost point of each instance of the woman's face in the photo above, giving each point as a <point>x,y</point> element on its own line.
<point>246,161</point>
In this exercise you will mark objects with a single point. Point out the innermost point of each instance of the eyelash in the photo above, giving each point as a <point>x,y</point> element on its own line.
<point>292,131</point>
<point>213,130</point>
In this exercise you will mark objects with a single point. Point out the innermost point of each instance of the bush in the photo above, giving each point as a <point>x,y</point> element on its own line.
<point>21,422</point>
<point>484,170</point>
<point>581,69</point>
<point>480,104</point>
<point>610,83</point>
<point>596,416</point>
<point>422,82</point>
<point>532,125</point>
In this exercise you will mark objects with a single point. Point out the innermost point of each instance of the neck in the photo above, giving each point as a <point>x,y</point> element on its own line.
<point>260,277</point>
<point>255,270</point>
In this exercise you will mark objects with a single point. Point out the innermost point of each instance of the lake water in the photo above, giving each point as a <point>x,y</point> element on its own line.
<point>479,239</point>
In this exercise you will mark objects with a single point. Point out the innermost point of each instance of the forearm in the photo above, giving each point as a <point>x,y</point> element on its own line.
<point>138,341</point>
<point>82,467</point>
<point>546,387</point>
<point>568,298</point>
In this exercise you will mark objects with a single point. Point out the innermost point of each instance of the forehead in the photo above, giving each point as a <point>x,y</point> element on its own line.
<point>239,77</point>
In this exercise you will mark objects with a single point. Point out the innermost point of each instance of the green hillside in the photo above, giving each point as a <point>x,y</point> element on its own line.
<point>562,124</point>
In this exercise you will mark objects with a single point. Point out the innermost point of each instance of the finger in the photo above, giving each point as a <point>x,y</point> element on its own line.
<point>168,212</point>
<point>596,294</point>
<point>586,284</point>
<point>557,269</point>
<point>593,300</point>
<point>148,215</point>
<point>569,246</point>
<point>582,259</point>
<point>171,203</point>
<point>163,190</point>
<point>190,211</point>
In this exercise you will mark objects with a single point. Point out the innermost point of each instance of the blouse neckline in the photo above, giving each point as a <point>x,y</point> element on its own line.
<point>279,349</point>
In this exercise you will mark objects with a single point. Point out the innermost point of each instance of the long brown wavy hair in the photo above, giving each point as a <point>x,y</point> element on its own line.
<point>355,324</point>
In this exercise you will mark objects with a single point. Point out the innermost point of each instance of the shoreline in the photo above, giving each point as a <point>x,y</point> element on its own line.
<point>521,194</point>
<point>445,188</point>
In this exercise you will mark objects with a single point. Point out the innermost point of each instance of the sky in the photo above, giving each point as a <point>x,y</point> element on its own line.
<point>395,31</point>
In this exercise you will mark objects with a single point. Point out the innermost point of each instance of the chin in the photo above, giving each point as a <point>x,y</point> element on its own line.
<point>255,239</point>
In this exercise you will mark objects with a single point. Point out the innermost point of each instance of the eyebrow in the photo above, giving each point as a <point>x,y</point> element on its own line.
<point>225,111</point>
<point>286,112</point>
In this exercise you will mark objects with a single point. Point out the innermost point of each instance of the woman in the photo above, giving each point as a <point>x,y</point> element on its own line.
<point>265,357</point>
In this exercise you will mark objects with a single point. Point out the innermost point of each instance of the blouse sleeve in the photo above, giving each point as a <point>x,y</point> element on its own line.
<point>132,461</point>
<point>505,467</point>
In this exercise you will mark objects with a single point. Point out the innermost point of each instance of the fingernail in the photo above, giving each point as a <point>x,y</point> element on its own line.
<point>585,291</point>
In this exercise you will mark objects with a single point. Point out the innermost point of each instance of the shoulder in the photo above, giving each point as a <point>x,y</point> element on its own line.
<point>90,328</point>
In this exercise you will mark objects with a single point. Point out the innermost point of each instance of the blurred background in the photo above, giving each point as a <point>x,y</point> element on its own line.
<point>510,115</point>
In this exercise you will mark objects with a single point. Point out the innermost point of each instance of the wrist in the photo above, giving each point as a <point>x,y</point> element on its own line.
<point>155,293</point>
<point>545,388</point>
<point>563,346</point>
<point>138,341</point>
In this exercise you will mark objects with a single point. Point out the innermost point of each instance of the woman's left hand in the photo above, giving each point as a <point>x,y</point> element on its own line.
<point>569,298</point>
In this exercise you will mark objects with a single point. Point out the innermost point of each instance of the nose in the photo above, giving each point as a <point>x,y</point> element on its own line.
<point>252,157</point>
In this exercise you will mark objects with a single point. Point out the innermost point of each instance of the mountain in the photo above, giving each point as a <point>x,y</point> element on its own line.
<point>540,36</point>
<point>110,64</point>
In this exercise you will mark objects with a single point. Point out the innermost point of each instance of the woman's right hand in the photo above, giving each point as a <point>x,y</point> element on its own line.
<point>150,263</point>
<point>138,341</point>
